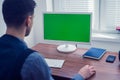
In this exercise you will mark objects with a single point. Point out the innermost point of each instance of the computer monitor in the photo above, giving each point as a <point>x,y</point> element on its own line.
<point>68,27</point>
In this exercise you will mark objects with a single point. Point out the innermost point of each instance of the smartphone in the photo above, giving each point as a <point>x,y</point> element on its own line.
<point>110,58</point>
<point>119,55</point>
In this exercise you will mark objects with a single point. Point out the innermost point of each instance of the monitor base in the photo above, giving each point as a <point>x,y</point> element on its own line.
<point>66,48</point>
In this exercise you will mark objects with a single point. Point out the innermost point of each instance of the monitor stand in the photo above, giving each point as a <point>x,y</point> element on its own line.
<point>66,48</point>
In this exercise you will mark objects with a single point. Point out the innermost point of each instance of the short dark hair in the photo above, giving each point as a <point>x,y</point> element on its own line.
<point>16,11</point>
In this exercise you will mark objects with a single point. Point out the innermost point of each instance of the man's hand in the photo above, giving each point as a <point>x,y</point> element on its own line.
<point>87,71</point>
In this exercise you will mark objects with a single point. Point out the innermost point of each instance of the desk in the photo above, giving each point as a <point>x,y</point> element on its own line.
<point>74,61</point>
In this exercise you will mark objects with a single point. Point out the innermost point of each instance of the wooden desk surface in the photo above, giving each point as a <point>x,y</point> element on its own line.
<point>74,61</point>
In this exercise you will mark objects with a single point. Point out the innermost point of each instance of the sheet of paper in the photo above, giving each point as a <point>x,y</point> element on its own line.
<point>56,63</point>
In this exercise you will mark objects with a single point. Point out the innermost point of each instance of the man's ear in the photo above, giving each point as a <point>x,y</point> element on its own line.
<point>28,25</point>
<point>28,21</point>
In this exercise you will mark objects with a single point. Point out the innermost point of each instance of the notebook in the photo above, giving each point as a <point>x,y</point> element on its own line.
<point>95,53</point>
<point>55,63</point>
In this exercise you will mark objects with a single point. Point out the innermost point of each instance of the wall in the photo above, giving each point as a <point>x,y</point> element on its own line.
<point>2,24</point>
<point>108,45</point>
<point>38,22</point>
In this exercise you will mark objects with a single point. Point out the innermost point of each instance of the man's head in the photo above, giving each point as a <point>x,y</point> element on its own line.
<point>18,12</point>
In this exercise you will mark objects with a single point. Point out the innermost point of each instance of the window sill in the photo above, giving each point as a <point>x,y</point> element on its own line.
<point>106,37</point>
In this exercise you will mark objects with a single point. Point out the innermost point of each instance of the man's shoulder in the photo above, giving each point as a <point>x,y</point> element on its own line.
<point>36,67</point>
<point>35,55</point>
<point>35,59</point>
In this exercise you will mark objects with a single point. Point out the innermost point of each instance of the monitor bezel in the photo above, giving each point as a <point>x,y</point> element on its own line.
<point>66,42</point>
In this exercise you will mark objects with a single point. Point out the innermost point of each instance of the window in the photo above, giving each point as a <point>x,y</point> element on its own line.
<point>110,15</point>
<point>106,13</point>
<point>75,6</point>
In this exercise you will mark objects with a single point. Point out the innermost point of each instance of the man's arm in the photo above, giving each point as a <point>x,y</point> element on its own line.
<point>77,77</point>
<point>35,68</point>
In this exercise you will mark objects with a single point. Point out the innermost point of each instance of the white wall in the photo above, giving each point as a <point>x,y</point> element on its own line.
<point>109,46</point>
<point>38,23</point>
<point>2,24</point>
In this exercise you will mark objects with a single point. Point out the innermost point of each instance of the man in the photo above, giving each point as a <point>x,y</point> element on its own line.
<point>15,62</point>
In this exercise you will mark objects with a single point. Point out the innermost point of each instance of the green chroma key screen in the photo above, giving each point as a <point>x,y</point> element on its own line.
<point>67,27</point>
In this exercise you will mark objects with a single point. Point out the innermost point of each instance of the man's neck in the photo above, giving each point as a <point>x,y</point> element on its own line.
<point>15,33</point>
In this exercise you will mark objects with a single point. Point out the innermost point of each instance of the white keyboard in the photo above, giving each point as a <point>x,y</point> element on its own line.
<point>55,63</point>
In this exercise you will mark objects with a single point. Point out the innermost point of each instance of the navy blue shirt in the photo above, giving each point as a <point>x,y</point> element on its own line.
<point>34,66</point>
<point>11,57</point>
